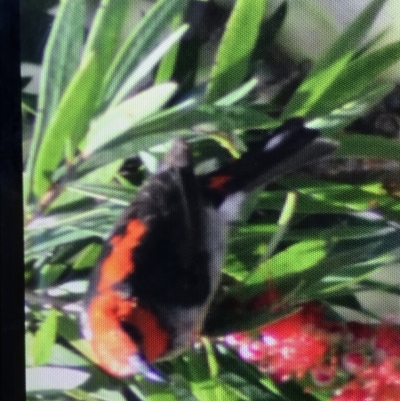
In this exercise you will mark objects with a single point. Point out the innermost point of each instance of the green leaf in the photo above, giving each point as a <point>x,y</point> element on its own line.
<point>235,49</point>
<point>376,147</point>
<point>331,196</point>
<point>380,286</point>
<point>100,176</point>
<point>211,358</point>
<point>124,147</point>
<point>342,231</point>
<point>168,124</point>
<point>348,264</point>
<point>50,273</point>
<point>105,392</point>
<point>296,258</point>
<point>351,37</point>
<point>292,390</point>
<point>189,115</point>
<point>237,94</point>
<point>106,30</point>
<point>212,390</point>
<point>347,301</point>
<point>285,217</point>
<point>44,339</point>
<point>113,193</point>
<point>342,116</point>
<point>244,379</point>
<point>78,287</point>
<point>62,356</point>
<point>117,120</point>
<point>29,338</point>
<point>314,86</point>
<point>60,60</point>
<point>148,64</point>
<point>63,229</point>
<point>356,78</point>
<point>87,257</point>
<point>336,79</point>
<point>167,65</point>
<point>161,396</point>
<point>269,29</point>
<point>143,37</point>
<point>69,122</point>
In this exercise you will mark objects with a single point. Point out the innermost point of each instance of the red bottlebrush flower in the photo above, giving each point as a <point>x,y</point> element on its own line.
<point>351,394</point>
<point>376,383</point>
<point>354,362</point>
<point>389,393</point>
<point>304,342</point>
<point>310,315</point>
<point>388,371</point>
<point>253,351</point>
<point>294,344</point>
<point>387,341</point>
<point>324,375</point>
<point>287,347</point>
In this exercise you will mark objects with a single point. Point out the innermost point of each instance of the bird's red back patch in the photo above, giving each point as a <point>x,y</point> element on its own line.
<point>119,263</point>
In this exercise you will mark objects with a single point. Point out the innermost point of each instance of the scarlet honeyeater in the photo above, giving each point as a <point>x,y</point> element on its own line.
<point>153,285</point>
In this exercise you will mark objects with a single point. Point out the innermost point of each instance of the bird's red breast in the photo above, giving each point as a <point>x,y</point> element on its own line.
<point>108,310</point>
<point>111,345</point>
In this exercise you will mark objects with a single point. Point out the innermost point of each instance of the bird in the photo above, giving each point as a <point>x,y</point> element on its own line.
<point>154,283</point>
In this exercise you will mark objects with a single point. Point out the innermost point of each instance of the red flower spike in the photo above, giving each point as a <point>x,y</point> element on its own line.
<point>323,375</point>
<point>352,394</point>
<point>281,377</point>
<point>294,344</point>
<point>389,393</point>
<point>252,351</point>
<point>388,340</point>
<point>376,383</point>
<point>354,362</point>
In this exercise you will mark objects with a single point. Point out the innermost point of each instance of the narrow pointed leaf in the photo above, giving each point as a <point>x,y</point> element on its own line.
<point>144,36</point>
<point>148,64</point>
<point>236,47</point>
<point>314,86</point>
<point>60,60</point>
<point>44,339</point>
<point>68,123</point>
<point>352,36</point>
<point>117,120</point>
<point>356,77</point>
<point>296,258</point>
